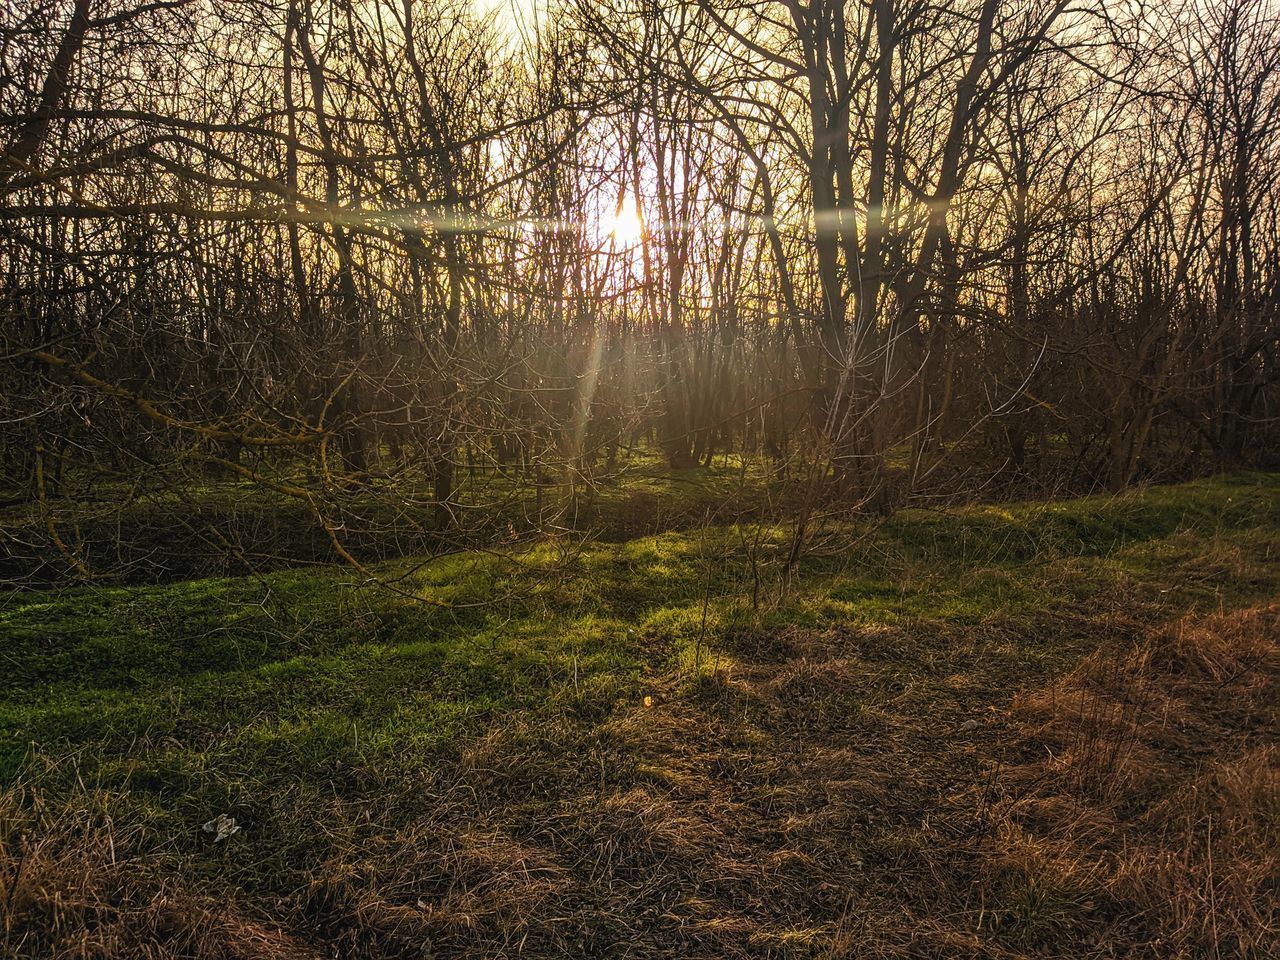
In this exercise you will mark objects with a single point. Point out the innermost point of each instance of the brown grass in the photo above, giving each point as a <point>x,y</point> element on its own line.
<point>1156,790</point>
<point>825,794</point>
<point>72,886</point>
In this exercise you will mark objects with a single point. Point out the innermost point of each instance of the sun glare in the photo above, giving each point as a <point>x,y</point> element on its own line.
<point>627,228</point>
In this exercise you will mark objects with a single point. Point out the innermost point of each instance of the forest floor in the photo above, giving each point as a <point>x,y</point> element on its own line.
<point>1029,730</point>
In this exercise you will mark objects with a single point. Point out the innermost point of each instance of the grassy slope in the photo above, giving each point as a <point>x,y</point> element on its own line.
<point>488,774</point>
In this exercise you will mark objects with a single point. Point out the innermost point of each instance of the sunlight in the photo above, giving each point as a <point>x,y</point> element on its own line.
<point>627,228</point>
<point>524,423</point>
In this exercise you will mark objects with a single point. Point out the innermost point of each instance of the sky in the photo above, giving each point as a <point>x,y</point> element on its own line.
<point>512,12</point>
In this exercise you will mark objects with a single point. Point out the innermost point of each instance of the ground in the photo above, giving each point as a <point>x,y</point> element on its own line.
<point>1040,730</point>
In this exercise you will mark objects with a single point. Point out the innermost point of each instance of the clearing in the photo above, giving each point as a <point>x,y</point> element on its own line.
<point>1029,730</point>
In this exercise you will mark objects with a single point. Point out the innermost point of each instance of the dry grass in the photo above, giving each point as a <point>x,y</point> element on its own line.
<point>821,795</point>
<point>990,756</point>
<point>1156,789</point>
<point>72,885</point>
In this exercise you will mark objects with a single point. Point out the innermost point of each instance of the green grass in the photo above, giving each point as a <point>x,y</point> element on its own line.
<point>168,525</point>
<point>279,696</point>
<point>312,648</point>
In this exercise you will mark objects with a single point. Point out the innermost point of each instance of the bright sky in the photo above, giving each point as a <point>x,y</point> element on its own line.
<point>512,12</point>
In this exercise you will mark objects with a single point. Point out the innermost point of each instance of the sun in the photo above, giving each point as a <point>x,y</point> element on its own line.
<point>627,228</point>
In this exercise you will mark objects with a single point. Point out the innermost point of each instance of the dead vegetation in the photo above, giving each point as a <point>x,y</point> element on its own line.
<point>1154,798</point>
<point>75,883</point>
<point>822,793</point>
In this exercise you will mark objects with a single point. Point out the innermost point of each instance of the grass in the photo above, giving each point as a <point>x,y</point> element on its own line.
<point>1150,778</point>
<point>169,526</point>
<point>671,742</point>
